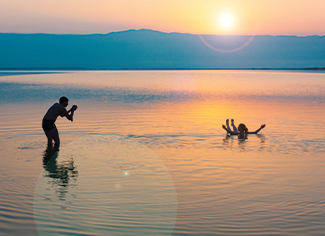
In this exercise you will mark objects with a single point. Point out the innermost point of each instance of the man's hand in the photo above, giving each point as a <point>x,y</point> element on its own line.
<point>262,126</point>
<point>74,107</point>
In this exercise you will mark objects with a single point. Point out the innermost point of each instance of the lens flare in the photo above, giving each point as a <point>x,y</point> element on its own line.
<point>229,50</point>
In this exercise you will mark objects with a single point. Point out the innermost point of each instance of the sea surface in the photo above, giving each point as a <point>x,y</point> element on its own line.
<point>146,153</point>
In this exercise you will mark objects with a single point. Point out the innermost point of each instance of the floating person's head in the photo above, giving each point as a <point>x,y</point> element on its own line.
<point>64,101</point>
<point>242,128</point>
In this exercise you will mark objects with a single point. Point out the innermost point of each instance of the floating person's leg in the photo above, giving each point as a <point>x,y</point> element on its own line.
<point>227,123</point>
<point>233,126</point>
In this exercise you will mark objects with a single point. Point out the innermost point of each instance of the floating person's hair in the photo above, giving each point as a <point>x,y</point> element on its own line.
<point>63,99</point>
<point>242,127</point>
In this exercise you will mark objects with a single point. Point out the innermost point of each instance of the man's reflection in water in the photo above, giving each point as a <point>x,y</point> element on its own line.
<point>229,141</point>
<point>60,175</point>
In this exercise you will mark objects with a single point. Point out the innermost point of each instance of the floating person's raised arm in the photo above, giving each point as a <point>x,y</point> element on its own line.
<point>228,131</point>
<point>258,130</point>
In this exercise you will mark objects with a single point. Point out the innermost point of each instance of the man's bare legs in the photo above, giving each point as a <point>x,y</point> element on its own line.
<point>52,134</point>
<point>48,154</point>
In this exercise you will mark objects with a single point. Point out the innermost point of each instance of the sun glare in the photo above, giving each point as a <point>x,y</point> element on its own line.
<point>226,20</point>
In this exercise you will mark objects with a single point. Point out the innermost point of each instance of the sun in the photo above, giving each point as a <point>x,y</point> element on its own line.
<point>226,20</point>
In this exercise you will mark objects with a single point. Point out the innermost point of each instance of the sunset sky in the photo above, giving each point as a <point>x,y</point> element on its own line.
<point>241,17</point>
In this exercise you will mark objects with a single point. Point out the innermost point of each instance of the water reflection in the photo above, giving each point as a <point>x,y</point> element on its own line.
<point>242,140</point>
<point>59,174</point>
<point>223,187</point>
<point>123,189</point>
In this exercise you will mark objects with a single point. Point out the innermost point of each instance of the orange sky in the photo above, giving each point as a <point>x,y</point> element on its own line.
<point>263,17</point>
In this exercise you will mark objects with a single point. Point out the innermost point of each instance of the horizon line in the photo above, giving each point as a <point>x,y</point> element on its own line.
<point>153,69</point>
<point>157,31</point>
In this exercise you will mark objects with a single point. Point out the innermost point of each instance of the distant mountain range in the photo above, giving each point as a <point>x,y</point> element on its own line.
<point>148,49</point>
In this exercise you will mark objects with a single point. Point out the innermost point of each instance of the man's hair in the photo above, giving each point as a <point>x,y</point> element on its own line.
<point>63,99</point>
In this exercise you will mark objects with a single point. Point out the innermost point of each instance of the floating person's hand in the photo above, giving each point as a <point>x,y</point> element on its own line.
<point>74,107</point>
<point>262,127</point>
<point>228,131</point>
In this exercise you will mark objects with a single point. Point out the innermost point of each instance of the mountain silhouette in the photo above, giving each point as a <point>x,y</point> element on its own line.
<point>149,49</point>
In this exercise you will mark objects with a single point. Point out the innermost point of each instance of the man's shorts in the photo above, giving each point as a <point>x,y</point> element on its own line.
<point>48,124</point>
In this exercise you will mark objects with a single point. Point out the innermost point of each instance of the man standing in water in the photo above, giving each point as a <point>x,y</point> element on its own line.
<point>48,124</point>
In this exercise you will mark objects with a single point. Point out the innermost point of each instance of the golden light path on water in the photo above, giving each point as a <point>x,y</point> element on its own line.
<point>105,185</point>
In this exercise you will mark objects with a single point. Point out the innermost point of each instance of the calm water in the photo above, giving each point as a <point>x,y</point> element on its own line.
<point>146,154</point>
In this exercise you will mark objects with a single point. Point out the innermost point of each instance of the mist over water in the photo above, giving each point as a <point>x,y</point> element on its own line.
<point>163,86</point>
<point>270,183</point>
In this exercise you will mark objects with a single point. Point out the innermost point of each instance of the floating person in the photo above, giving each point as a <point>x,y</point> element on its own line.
<point>48,124</point>
<point>242,130</point>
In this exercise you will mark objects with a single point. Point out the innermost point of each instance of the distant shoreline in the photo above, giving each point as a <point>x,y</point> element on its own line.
<point>157,69</point>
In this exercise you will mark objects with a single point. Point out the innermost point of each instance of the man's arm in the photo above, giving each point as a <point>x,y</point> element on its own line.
<point>69,116</point>
<point>71,111</point>
<point>74,107</point>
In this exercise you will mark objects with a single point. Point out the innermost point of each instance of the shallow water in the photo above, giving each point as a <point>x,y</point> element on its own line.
<point>271,183</point>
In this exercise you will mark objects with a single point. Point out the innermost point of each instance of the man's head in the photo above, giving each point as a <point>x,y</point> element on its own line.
<point>64,101</point>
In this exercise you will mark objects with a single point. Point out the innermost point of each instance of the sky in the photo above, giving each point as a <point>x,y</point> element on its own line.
<point>235,17</point>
